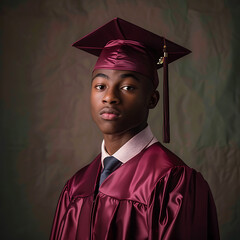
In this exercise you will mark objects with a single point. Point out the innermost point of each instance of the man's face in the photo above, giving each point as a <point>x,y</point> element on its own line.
<point>120,100</point>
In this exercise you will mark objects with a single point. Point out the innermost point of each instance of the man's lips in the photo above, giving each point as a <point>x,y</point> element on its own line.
<point>109,114</point>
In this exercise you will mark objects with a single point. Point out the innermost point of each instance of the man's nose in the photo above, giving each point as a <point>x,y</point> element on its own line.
<point>111,96</point>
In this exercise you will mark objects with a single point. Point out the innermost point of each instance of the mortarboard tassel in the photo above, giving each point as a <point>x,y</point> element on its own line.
<point>166,126</point>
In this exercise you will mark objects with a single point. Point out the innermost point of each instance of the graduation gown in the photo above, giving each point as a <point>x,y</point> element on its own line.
<point>152,196</point>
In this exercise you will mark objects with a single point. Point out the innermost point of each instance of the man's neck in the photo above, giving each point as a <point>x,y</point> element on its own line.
<point>113,142</point>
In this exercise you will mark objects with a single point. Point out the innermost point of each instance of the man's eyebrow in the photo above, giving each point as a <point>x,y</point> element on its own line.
<point>127,75</point>
<point>100,75</point>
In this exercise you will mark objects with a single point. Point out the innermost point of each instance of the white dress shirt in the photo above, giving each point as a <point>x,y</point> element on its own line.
<point>132,147</point>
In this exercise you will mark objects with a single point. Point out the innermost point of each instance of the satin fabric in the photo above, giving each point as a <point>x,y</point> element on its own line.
<point>128,55</point>
<point>152,196</point>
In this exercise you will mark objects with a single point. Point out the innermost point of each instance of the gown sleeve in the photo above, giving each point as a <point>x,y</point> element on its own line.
<point>182,207</point>
<point>62,206</point>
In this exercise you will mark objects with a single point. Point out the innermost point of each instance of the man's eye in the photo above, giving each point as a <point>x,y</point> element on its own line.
<point>128,88</point>
<point>99,87</point>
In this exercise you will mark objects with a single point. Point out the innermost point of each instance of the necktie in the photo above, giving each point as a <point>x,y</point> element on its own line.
<point>110,165</point>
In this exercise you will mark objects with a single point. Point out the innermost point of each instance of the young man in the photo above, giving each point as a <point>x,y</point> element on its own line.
<point>136,188</point>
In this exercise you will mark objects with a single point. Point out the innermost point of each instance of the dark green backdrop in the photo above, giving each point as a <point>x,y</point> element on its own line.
<point>46,128</point>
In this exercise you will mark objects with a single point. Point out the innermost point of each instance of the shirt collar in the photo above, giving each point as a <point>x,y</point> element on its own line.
<point>134,146</point>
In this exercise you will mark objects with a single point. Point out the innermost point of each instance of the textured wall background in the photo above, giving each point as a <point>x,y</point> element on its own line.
<point>46,128</point>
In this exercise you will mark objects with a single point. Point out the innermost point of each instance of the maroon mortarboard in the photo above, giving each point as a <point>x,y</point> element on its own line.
<point>122,45</point>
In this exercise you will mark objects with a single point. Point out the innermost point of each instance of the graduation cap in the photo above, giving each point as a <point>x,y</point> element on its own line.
<point>122,45</point>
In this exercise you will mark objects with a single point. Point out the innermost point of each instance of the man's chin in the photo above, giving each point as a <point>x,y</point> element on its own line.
<point>109,131</point>
<point>113,130</point>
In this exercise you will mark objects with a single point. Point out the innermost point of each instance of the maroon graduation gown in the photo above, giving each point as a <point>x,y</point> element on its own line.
<point>152,196</point>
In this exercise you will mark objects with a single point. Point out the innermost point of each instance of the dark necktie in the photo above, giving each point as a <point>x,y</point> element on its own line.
<point>110,165</point>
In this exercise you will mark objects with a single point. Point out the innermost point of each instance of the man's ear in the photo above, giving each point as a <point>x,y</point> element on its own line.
<point>153,99</point>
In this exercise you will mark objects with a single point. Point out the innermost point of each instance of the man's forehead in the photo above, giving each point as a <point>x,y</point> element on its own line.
<point>107,73</point>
